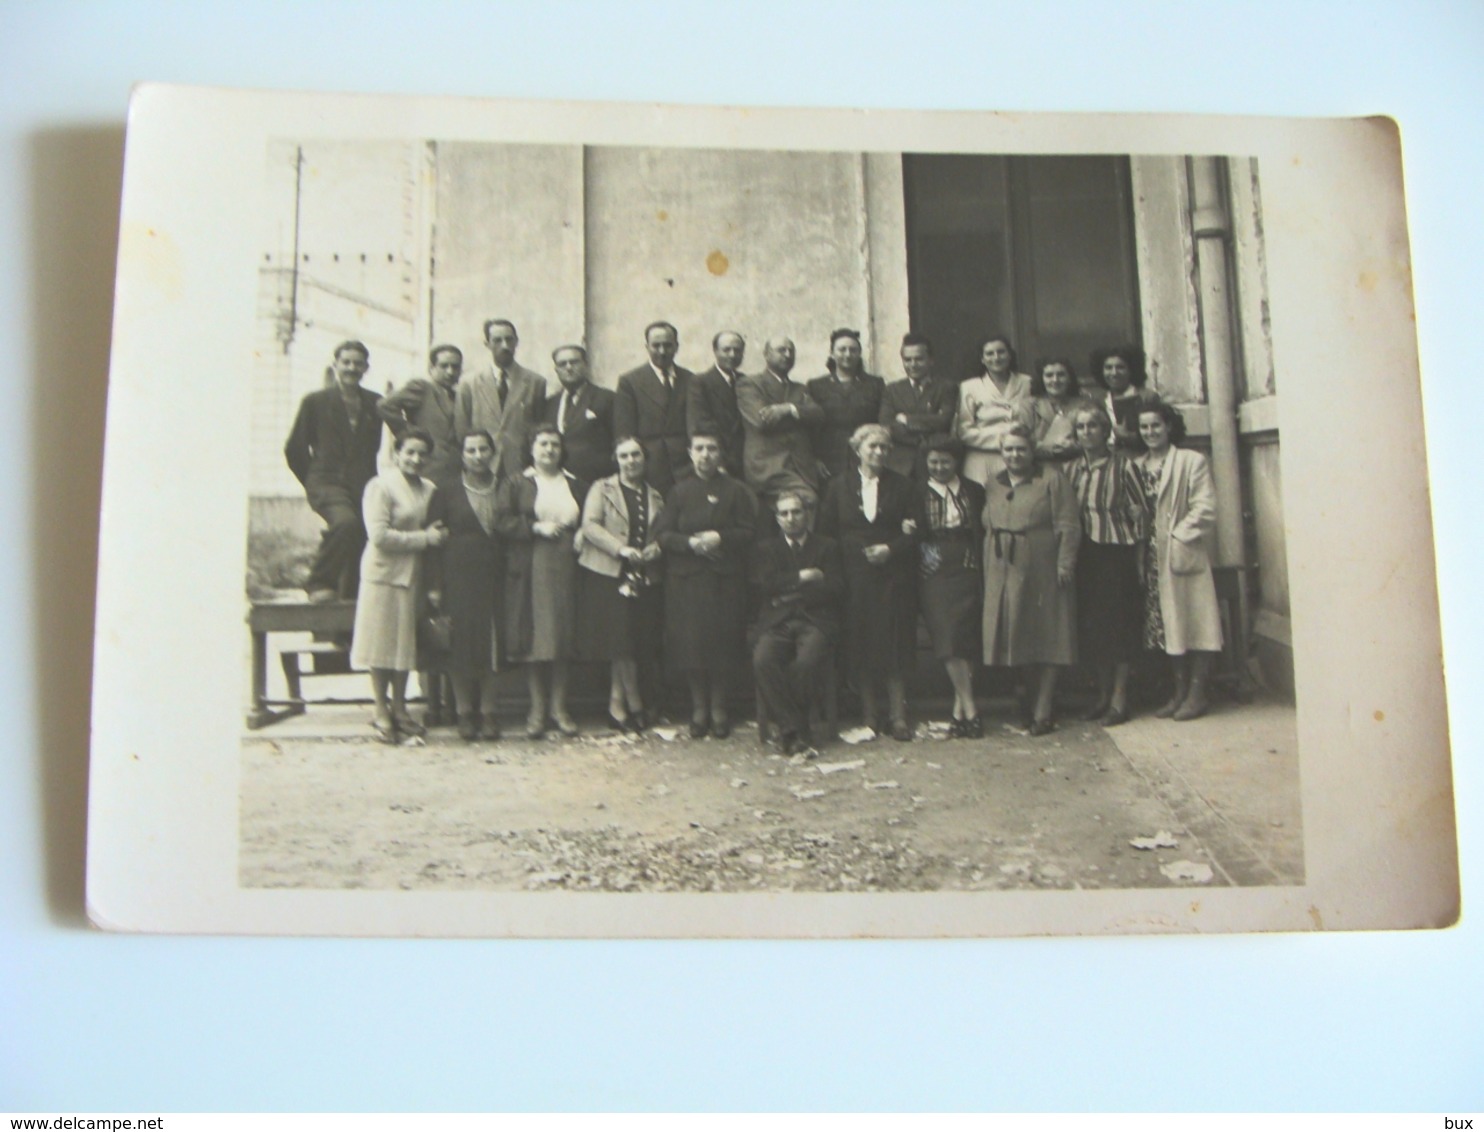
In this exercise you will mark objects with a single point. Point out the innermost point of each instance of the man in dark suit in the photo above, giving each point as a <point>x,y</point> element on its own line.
<point>778,415</point>
<point>650,405</point>
<point>916,408</point>
<point>332,451</point>
<point>798,580</point>
<point>505,399</point>
<point>583,414</point>
<point>712,405</point>
<point>428,403</point>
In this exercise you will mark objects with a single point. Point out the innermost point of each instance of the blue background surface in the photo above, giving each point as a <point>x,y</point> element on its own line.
<point>90,1021</point>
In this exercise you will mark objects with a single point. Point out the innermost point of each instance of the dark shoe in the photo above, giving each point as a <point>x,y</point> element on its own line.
<point>1041,727</point>
<point>788,742</point>
<point>616,724</point>
<point>409,726</point>
<point>386,732</point>
<point>491,727</point>
<point>468,728</point>
<point>1195,705</point>
<point>955,729</point>
<point>1098,711</point>
<point>721,728</point>
<point>699,728</point>
<point>535,728</point>
<point>971,728</point>
<point>636,723</point>
<point>901,731</point>
<point>1113,717</point>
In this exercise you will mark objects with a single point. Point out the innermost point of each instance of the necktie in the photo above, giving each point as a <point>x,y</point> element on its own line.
<point>504,388</point>
<point>562,414</point>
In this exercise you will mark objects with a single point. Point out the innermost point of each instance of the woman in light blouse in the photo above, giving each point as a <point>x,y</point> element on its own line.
<point>987,404</point>
<point>1110,596</point>
<point>537,515</point>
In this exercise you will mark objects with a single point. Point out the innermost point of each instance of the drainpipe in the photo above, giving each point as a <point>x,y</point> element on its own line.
<point>1212,228</point>
<point>1212,236</point>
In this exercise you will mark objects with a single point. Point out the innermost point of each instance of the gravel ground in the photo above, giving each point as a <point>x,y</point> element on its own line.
<point>606,813</point>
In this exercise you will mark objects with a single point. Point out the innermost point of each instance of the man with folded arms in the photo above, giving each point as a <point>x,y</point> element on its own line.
<point>798,581</point>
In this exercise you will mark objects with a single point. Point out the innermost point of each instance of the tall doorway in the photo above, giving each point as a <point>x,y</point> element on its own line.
<point>1039,248</point>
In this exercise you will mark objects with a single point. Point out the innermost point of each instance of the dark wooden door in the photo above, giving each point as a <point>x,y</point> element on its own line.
<point>1039,248</point>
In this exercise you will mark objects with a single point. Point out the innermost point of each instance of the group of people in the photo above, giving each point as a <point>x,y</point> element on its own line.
<point>1031,523</point>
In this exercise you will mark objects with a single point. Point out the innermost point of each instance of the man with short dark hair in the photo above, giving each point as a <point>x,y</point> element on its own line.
<point>650,406</point>
<point>429,403</point>
<point>712,406</point>
<point>505,399</point>
<point>583,414</point>
<point>917,407</point>
<point>332,451</point>
<point>798,579</point>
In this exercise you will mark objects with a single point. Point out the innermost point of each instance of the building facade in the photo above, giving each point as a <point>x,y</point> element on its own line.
<point>406,244</point>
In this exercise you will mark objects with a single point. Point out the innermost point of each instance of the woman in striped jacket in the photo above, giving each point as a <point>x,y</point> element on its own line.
<point>1110,596</point>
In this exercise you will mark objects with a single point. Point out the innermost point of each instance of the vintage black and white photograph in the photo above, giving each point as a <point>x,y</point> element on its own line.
<point>716,507</point>
<point>701,520</point>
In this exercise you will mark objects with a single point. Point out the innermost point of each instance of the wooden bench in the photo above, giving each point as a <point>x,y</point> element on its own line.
<point>292,617</point>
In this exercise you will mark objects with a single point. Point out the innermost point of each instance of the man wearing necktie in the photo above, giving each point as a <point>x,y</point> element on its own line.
<point>777,415</point>
<point>798,580</point>
<point>505,399</point>
<point>712,405</point>
<point>649,405</point>
<point>583,414</point>
<point>916,408</point>
<point>429,404</point>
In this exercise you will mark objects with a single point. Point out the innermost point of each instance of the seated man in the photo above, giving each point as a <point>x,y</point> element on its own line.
<point>798,579</point>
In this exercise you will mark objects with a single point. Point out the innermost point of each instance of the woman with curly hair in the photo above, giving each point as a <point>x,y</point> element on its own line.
<point>1181,617</point>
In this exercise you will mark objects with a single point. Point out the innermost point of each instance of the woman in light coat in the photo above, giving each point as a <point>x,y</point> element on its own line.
<point>384,640</point>
<point>1181,616</point>
<point>618,597</point>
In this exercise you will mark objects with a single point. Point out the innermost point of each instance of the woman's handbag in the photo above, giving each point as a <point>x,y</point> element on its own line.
<point>436,631</point>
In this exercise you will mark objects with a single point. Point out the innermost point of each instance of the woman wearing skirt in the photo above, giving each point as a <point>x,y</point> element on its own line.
<point>618,598</point>
<point>384,640</point>
<point>464,584</point>
<point>537,514</point>
<point>951,584</point>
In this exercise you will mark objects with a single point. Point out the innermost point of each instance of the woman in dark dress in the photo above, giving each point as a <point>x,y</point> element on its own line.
<point>850,398</point>
<point>872,513</point>
<point>619,605</point>
<point>464,583</point>
<point>708,524</point>
<point>1110,596</point>
<point>536,516</point>
<point>951,588</point>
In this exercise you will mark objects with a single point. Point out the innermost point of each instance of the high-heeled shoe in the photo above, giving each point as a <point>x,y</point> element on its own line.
<point>386,732</point>
<point>699,728</point>
<point>971,728</point>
